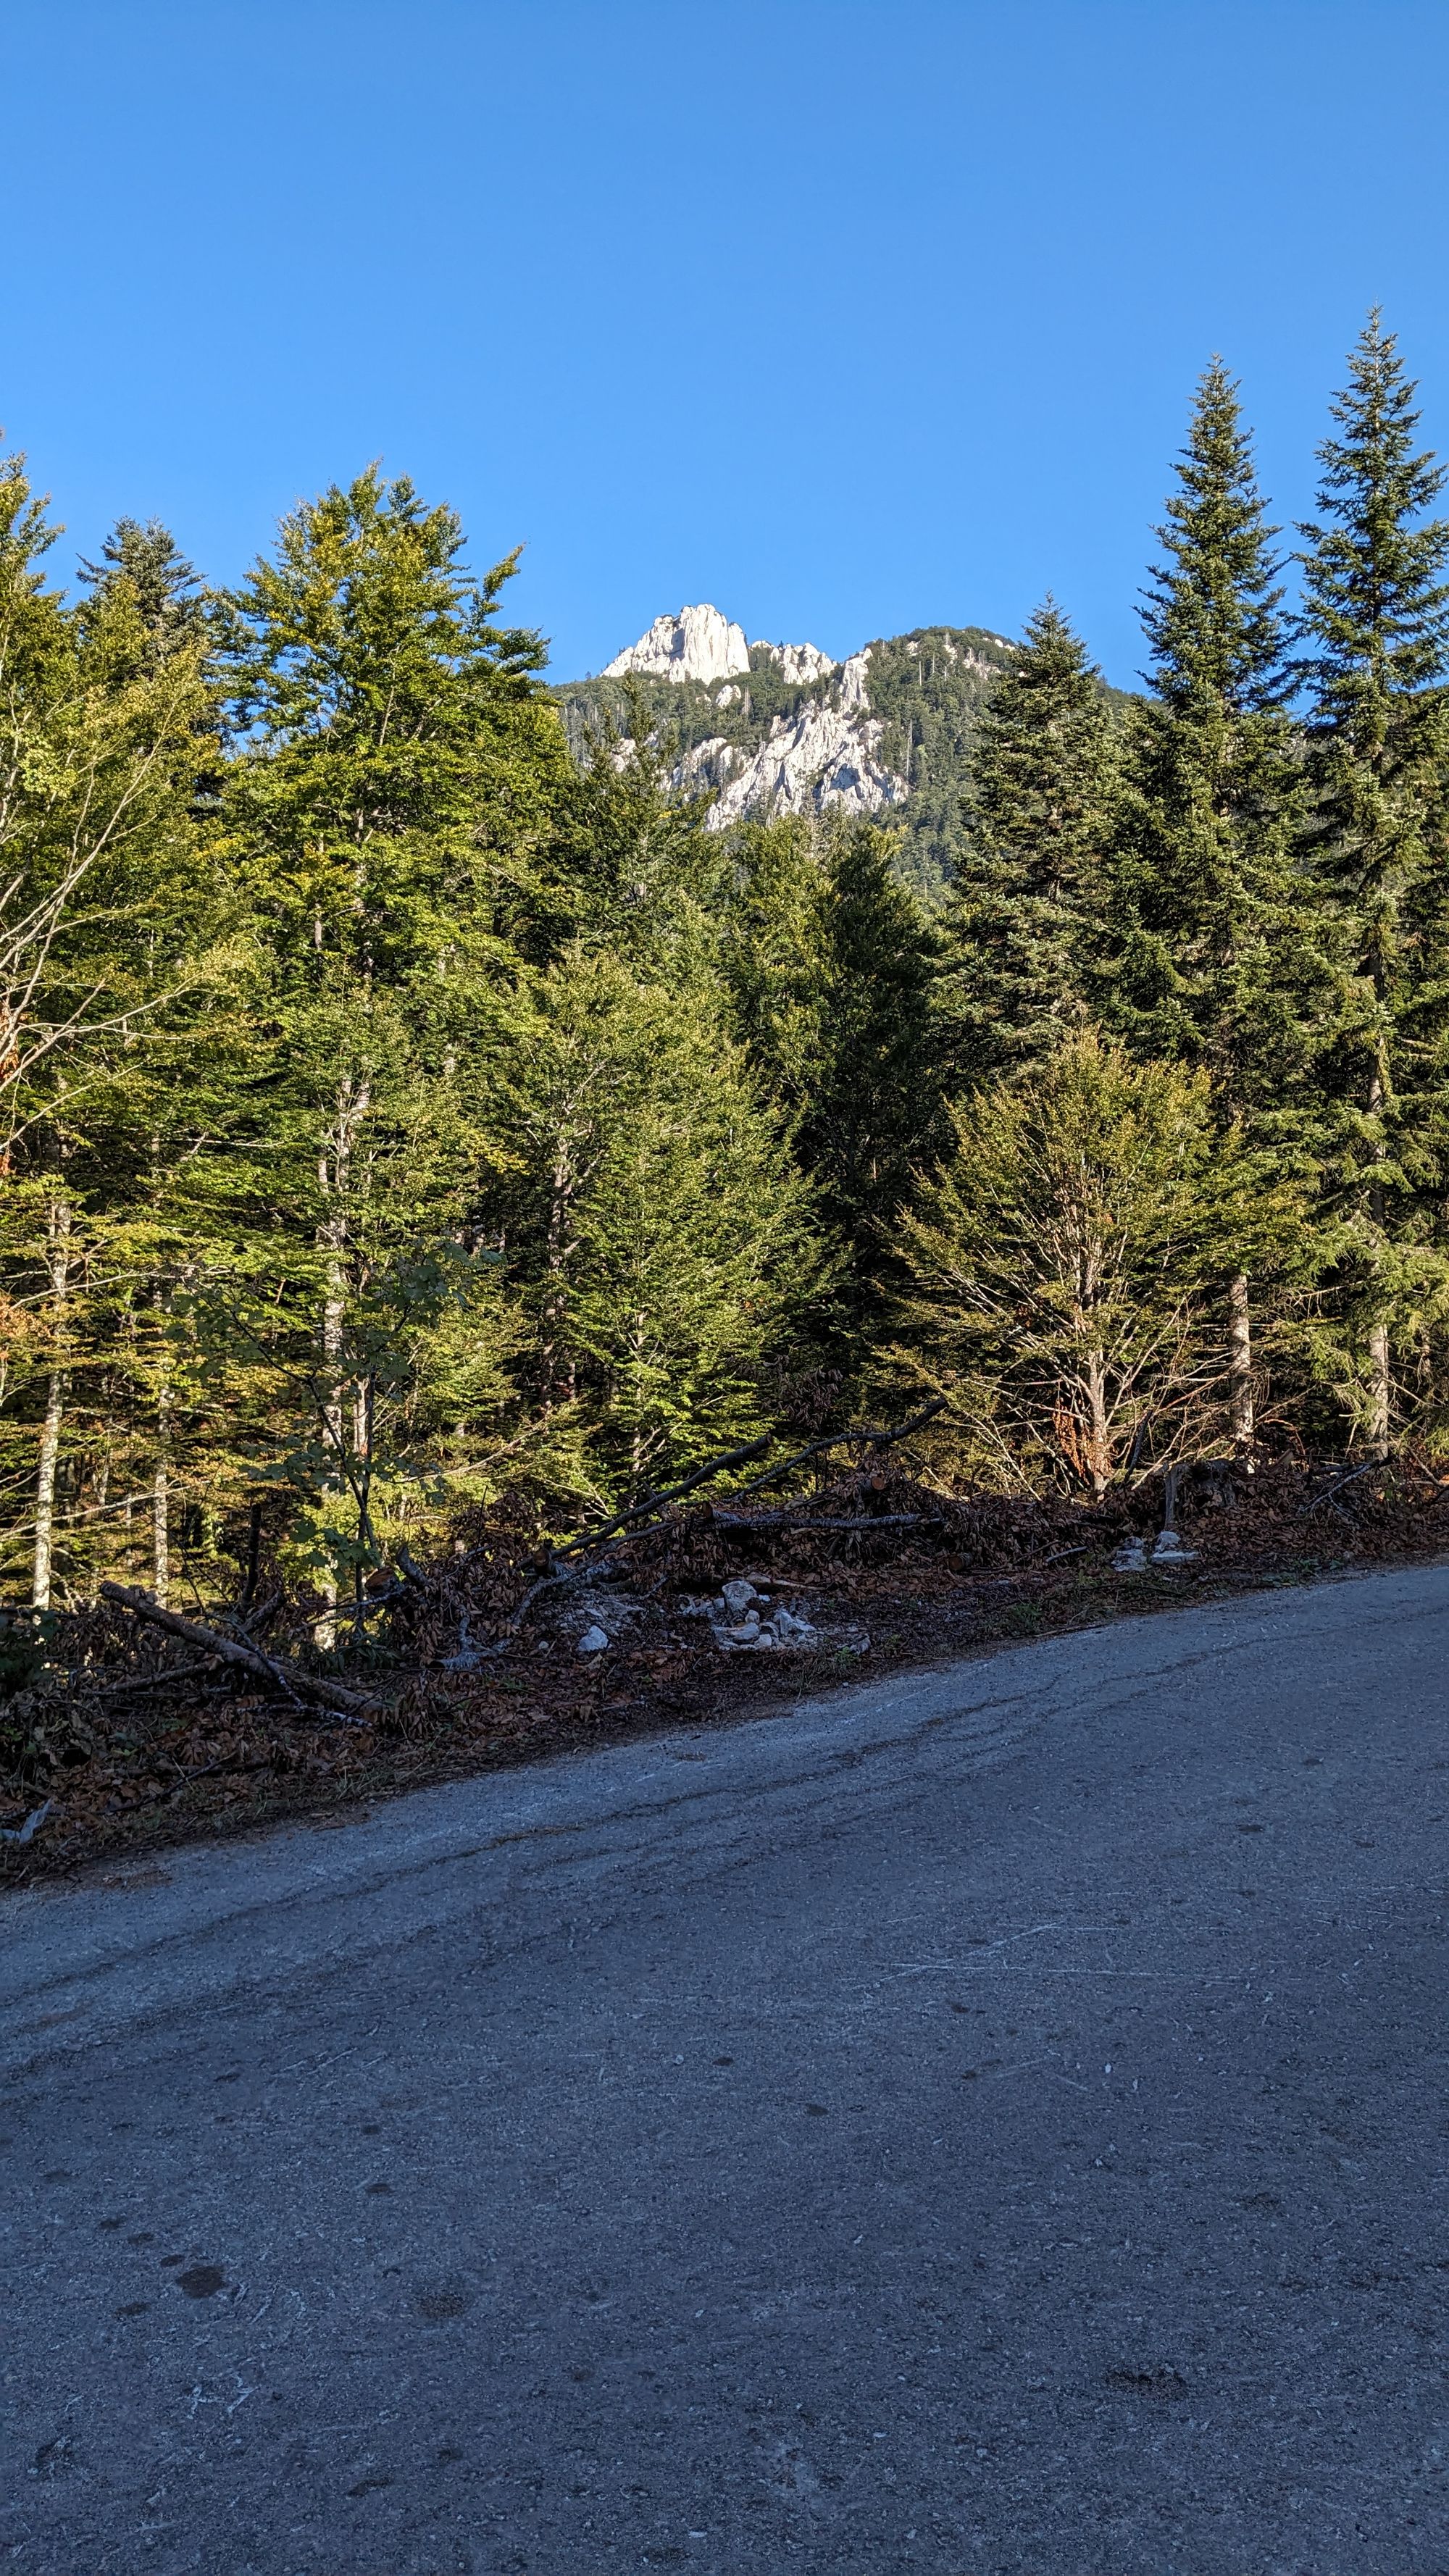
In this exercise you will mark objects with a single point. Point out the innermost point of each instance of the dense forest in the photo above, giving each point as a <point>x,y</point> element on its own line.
<point>412,1107</point>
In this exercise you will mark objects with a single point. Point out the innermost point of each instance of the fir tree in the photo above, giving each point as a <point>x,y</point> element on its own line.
<point>1065,1264</point>
<point>660,1228</point>
<point>832,963</point>
<point>170,604</point>
<point>1376,621</point>
<point>1020,923</point>
<point>1214,959</point>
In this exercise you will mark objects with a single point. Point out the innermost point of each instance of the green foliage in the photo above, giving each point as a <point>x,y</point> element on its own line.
<point>831,964</point>
<point>1070,1263</point>
<point>1376,622</point>
<point>1216,950</point>
<point>1020,922</point>
<point>663,1227</point>
<point>409,1098</point>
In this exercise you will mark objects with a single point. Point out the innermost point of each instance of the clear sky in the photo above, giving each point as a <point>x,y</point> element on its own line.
<point>849,315</point>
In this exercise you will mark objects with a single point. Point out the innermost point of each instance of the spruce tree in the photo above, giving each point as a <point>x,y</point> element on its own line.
<point>1020,923</point>
<point>1213,956</point>
<point>1376,622</point>
<point>832,963</point>
<point>170,604</point>
<point>661,1231</point>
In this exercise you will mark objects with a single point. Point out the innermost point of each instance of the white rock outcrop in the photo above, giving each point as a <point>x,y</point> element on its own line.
<point>826,757</point>
<point>800,664</point>
<point>699,644</point>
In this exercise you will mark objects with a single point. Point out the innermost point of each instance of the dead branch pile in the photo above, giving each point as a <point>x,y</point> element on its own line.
<point>138,1722</point>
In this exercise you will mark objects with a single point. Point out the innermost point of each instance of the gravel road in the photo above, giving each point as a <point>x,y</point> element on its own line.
<point>990,2122</point>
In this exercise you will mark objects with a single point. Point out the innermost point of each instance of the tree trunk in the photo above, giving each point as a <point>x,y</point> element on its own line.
<point>1240,1369</point>
<point>45,1490</point>
<point>1378,1340</point>
<point>1099,1449</point>
<point>1379,1390</point>
<point>334,1172</point>
<point>332,1418</point>
<point>556,1372</point>
<point>57,1257</point>
<point>161,1482</point>
<point>161,1537</point>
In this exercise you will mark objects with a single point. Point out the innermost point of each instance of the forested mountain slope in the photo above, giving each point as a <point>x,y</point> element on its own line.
<point>780,729</point>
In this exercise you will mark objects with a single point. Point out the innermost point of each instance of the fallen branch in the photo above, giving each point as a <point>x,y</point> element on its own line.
<point>840,1440</point>
<point>1327,1495</point>
<point>655,1502</point>
<point>249,1659</point>
<point>804,1528</point>
<point>136,1683</point>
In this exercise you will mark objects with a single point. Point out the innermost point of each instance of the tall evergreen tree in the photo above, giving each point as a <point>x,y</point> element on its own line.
<point>1213,955</point>
<point>170,604</point>
<point>661,1230</point>
<point>831,963</point>
<point>1020,923</point>
<point>1376,622</point>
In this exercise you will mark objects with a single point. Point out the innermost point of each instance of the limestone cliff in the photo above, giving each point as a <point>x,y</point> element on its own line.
<point>767,729</point>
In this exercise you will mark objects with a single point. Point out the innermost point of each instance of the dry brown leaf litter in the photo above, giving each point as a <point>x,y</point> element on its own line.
<point>131,1743</point>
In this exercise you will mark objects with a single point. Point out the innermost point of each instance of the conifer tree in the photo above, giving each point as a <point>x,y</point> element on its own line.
<point>662,1231</point>
<point>1064,1263</point>
<point>1020,922</point>
<point>831,963</point>
<point>1214,959</point>
<point>1376,622</point>
<point>169,602</point>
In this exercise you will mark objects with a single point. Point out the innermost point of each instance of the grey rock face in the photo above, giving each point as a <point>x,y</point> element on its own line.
<point>697,644</point>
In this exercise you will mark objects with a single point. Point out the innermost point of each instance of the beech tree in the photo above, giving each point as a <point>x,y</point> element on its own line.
<point>394,790</point>
<point>101,913</point>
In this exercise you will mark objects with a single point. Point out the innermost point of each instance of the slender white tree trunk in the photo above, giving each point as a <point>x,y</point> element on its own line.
<point>45,1490</point>
<point>1240,1369</point>
<point>334,1171</point>
<point>58,1264</point>
<point>161,1537</point>
<point>1379,1390</point>
<point>161,1481</point>
<point>1378,1340</point>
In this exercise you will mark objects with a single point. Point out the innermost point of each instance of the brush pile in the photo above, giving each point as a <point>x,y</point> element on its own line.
<point>122,1727</point>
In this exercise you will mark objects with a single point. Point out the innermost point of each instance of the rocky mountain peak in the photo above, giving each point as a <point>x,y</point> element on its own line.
<point>697,644</point>
<point>760,729</point>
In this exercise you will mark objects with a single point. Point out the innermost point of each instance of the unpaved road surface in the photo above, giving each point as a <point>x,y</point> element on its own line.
<point>990,2123</point>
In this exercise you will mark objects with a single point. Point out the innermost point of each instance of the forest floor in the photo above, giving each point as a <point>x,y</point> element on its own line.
<point>492,1655</point>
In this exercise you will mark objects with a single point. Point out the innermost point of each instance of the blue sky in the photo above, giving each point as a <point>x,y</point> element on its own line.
<point>849,315</point>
